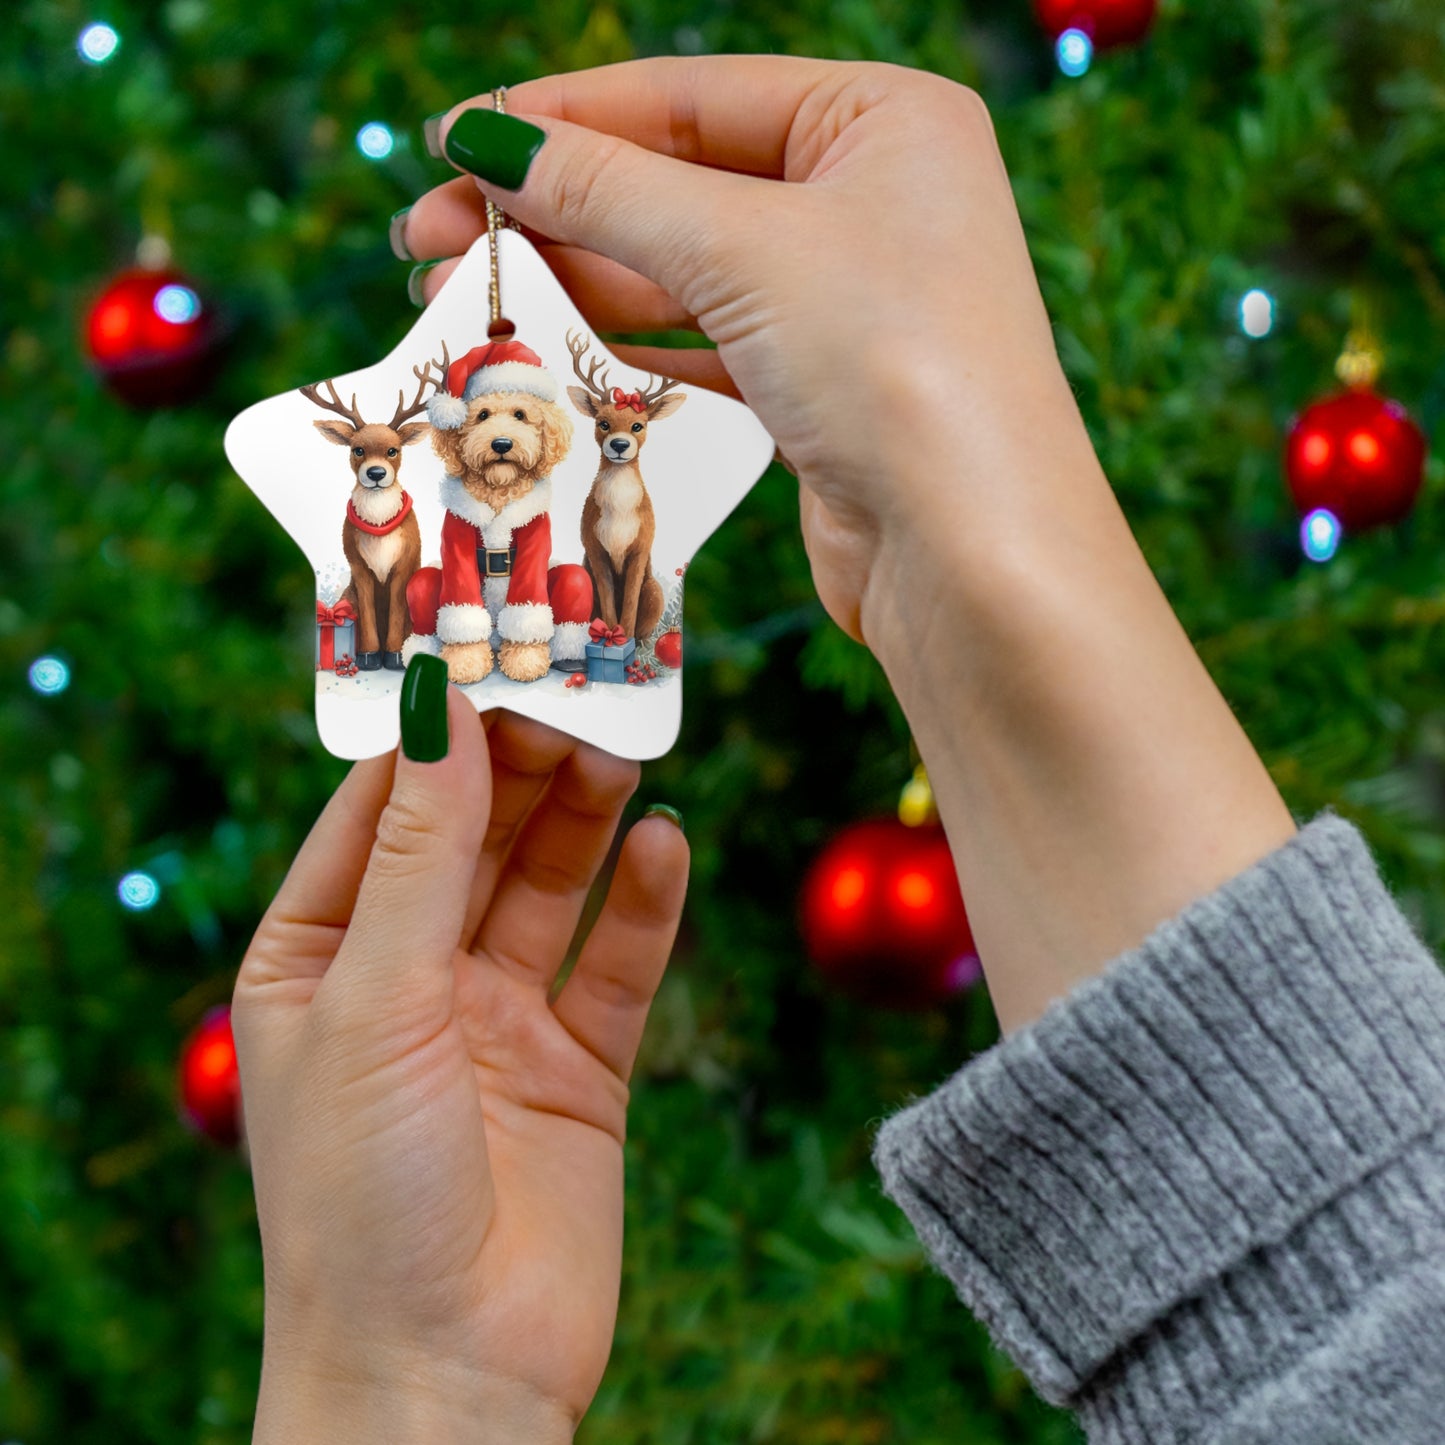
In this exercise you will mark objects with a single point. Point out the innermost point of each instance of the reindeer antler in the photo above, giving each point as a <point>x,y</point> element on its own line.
<point>578,345</point>
<point>313,393</point>
<point>426,378</point>
<point>649,396</point>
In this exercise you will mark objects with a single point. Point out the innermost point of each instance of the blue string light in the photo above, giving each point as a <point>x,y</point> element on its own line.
<point>138,891</point>
<point>177,304</point>
<point>49,675</point>
<point>1320,534</point>
<point>97,43</point>
<point>1075,53</point>
<point>375,140</point>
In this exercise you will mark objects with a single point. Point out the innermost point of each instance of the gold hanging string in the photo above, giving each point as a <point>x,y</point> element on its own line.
<point>499,328</point>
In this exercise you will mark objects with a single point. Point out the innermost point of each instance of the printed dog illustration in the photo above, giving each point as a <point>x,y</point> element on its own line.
<point>500,434</point>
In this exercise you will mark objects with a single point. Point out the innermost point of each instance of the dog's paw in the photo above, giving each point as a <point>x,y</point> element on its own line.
<point>526,661</point>
<point>467,661</point>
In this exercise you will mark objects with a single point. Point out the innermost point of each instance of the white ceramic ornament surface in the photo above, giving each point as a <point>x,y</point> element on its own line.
<point>696,465</point>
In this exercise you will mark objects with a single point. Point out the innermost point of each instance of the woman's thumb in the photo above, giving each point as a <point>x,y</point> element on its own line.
<point>664,218</point>
<point>409,912</point>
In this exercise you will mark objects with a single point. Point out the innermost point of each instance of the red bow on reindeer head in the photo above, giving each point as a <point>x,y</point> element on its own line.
<point>633,399</point>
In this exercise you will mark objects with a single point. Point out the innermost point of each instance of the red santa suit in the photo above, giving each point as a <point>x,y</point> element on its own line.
<point>495,574</point>
<point>495,577</point>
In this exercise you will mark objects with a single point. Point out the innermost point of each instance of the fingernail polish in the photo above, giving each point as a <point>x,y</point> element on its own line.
<point>396,234</point>
<point>413,282</point>
<point>671,814</point>
<point>498,148</point>
<point>424,736</point>
<point>431,133</point>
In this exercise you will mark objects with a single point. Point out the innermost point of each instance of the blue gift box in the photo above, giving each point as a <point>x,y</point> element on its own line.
<point>609,664</point>
<point>343,642</point>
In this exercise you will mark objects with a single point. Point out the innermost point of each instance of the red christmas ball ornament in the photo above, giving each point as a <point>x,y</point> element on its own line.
<point>210,1082</point>
<point>152,338</point>
<point>1359,456</point>
<point>883,918</point>
<point>668,649</point>
<point>1107,23</point>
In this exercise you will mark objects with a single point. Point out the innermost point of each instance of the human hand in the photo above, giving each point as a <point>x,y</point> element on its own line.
<point>847,235</point>
<point>437,1149</point>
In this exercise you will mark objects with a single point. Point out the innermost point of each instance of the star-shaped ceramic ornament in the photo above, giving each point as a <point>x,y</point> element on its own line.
<point>525,508</point>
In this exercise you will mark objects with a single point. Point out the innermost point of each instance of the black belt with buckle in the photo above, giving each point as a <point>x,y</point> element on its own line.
<point>496,561</point>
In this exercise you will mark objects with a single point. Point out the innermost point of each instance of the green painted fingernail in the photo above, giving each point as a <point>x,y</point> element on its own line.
<point>498,148</point>
<point>431,133</point>
<point>424,709</point>
<point>413,282</point>
<point>396,234</point>
<point>671,814</point>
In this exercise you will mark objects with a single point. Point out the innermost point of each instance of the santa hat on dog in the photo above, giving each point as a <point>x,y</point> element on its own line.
<point>499,366</point>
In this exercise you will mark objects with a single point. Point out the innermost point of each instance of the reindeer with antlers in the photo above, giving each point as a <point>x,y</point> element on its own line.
<point>380,536</point>
<point>618,524</point>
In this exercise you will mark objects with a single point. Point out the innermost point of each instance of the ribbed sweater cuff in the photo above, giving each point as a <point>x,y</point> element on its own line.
<point>1178,1159</point>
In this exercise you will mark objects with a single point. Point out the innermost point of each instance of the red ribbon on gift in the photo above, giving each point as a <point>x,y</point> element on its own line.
<point>633,399</point>
<point>607,636</point>
<point>327,619</point>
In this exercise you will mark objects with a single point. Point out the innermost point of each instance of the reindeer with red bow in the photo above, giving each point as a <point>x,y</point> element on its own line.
<point>618,525</point>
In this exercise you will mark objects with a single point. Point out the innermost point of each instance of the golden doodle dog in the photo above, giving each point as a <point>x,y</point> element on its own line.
<point>500,434</point>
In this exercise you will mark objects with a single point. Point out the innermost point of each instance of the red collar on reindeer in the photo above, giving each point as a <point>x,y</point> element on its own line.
<point>362,526</point>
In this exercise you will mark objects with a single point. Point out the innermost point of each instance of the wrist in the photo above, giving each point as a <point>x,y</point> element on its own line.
<point>979,527</point>
<point>404,1400</point>
<point>1092,779</point>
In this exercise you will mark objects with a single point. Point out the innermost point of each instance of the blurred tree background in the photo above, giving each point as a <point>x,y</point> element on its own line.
<point>771,1292</point>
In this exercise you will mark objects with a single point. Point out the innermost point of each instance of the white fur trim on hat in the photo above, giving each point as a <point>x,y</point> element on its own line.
<point>463,622</point>
<point>526,622</point>
<point>509,376</point>
<point>569,642</point>
<point>446,412</point>
<point>420,642</point>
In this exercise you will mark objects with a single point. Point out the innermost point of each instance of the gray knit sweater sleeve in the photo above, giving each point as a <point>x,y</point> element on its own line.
<point>1201,1200</point>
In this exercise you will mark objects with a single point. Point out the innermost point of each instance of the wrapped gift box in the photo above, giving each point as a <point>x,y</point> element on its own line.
<point>335,635</point>
<point>335,617</point>
<point>609,664</point>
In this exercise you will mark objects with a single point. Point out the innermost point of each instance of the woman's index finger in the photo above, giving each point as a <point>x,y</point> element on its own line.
<point>731,112</point>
